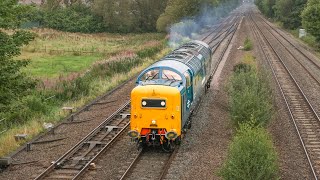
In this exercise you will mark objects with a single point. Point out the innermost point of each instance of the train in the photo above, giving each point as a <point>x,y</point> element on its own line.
<point>167,93</point>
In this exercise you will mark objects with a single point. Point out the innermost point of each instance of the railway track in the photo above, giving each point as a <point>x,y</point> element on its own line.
<point>302,50</point>
<point>296,53</point>
<point>140,166</point>
<point>73,163</point>
<point>302,113</point>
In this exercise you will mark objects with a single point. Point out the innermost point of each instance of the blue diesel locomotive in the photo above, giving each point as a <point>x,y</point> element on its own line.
<point>167,93</point>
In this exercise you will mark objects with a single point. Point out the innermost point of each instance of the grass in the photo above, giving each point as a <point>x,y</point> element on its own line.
<point>54,53</point>
<point>247,44</point>
<point>54,66</point>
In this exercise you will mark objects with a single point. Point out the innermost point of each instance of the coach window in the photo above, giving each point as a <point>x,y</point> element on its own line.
<point>187,75</point>
<point>150,75</point>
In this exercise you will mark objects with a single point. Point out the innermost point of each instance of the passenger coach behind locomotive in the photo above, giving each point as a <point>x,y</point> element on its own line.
<point>167,92</point>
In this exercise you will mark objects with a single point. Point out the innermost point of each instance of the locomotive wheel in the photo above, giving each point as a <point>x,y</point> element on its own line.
<point>168,146</point>
<point>178,141</point>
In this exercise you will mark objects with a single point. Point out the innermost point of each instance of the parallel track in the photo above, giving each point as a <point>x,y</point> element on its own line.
<point>73,163</point>
<point>302,113</point>
<point>303,61</point>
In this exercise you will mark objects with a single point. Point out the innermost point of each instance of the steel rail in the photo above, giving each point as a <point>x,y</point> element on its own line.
<point>255,28</point>
<point>298,49</point>
<point>219,29</point>
<point>299,61</point>
<point>83,141</point>
<point>67,119</point>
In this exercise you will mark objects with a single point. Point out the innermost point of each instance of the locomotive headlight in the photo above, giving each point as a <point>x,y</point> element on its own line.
<point>163,103</point>
<point>144,103</point>
<point>133,134</point>
<point>153,122</point>
<point>171,135</point>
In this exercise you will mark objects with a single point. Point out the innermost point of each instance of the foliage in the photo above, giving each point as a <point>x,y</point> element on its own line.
<point>311,18</point>
<point>177,9</point>
<point>81,86</point>
<point>247,44</point>
<point>288,12</point>
<point>266,7</point>
<point>129,16</point>
<point>11,13</point>
<point>251,156</point>
<point>73,18</point>
<point>250,96</point>
<point>14,84</point>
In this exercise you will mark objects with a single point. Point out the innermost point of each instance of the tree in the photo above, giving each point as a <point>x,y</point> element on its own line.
<point>289,11</point>
<point>129,16</point>
<point>311,18</point>
<point>266,7</point>
<point>179,9</point>
<point>14,83</point>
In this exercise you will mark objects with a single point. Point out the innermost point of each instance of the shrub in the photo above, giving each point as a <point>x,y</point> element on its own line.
<point>251,156</point>
<point>250,96</point>
<point>247,44</point>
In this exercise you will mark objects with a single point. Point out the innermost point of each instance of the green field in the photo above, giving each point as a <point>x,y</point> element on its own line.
<point>55,53</point>
<point>52,66</point>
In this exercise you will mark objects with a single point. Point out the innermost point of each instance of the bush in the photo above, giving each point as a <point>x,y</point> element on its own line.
<point>247,44</point>
<point>250,96</point>
<point>75,18</point>
<point>251,156</point>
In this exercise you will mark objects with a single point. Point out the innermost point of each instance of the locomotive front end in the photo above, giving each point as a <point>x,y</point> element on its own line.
<point>155,114</point>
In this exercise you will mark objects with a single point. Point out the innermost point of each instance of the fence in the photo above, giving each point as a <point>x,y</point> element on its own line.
<point>3,126</point>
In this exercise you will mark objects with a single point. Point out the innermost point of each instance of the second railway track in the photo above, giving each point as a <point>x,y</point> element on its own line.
<point>302,113</point>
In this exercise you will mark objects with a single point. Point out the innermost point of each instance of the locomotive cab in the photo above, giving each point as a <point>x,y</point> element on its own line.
<point>156,106</point>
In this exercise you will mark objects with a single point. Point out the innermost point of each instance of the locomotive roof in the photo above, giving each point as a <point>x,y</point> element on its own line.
<point>179,66</point>
<point>191,54</point>
<point>187,56</point>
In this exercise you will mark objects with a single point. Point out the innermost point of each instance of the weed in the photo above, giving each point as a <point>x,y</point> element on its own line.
<point>247,44</point>
<point>250,95</point>
<point>251,155</point>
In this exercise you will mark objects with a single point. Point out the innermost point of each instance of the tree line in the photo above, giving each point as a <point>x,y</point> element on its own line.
<point>121,16</point>
<point>294,14</point>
